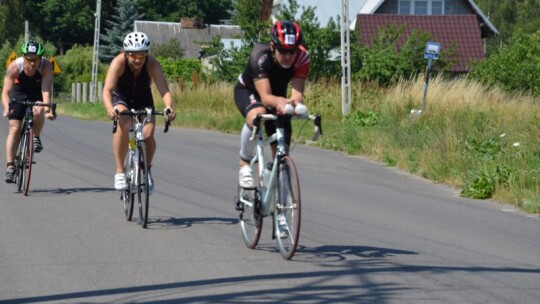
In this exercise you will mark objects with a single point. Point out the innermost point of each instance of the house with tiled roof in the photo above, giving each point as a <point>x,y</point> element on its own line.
<point>458,23</point>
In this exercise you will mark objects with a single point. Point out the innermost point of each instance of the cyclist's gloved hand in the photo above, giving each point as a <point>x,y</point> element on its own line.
<point>285,107</point>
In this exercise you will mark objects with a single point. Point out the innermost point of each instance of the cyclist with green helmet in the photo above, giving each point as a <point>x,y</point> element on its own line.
<point>28,77</point>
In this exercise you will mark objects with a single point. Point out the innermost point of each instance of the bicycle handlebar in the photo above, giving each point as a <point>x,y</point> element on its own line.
<point>316,118</point>
<point>37,104</point>
<point>140,114</point>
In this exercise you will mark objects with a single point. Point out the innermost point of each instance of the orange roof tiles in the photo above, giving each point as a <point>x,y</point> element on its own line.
<point>461,30</point>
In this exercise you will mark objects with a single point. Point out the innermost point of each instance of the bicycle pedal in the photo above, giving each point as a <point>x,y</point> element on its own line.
<point>239,206</point>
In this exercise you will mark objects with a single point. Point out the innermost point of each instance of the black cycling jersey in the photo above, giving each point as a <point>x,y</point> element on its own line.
<point>27,87</point>
<point>131,91</point>
<point>261,65</point>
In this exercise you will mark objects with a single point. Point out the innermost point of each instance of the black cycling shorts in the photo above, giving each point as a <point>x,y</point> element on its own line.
<point>246,100</point>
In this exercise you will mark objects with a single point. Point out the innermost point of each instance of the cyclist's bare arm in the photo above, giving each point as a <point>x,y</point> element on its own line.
<point>156,73</point>
<point>267,98</point>
<point>9,80</point>
<point>298,86</point>
<point>46,86</point>
<point>116,69</point>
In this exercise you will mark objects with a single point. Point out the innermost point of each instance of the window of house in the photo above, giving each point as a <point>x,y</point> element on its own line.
<point>405,7</point>
<point>426,7</point>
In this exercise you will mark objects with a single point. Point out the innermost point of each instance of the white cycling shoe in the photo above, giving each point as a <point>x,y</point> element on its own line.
<point>282,226</point>
<point>120,182</point>
<point>245,177</point>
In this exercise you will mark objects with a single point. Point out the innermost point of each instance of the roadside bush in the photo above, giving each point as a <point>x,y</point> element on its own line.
<point>514,68</point>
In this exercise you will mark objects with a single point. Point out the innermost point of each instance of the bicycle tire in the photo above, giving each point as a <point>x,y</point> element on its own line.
<point>290,206</point>
<point>250,219</point>
<point>142,184</point>
<point>28,160</point>
<point>128,195</point>
<point>19,170</point>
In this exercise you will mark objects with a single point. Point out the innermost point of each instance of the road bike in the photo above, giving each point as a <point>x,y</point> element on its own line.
<point>277,191</point>
<point>136,163</point>
<point>24,157</point>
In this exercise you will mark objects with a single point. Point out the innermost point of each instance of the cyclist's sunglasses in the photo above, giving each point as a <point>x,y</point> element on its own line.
<point>29,59</point>
<point>137,55</point>
<point>287,51</point>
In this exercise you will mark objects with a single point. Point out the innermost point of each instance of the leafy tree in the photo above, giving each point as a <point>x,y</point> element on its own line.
<point>11,20</point>
<point>383,62</point>
<point>64,22</point>
<point>172,50</point>
<point>121,24</point>
<point>511,18</point>
<point>212,11</point>
<point>515,67</point>
<point>246,15</point>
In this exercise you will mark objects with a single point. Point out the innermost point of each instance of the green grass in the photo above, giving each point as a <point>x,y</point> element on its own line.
<point>482,141</point>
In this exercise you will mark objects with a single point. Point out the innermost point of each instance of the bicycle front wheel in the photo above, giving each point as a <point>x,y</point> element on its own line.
<point>28,159</point>
<point>142,184</point>
<point>250,219</point>
<point>128,195</point>
<point>19,162</point>
<point>288,209</point>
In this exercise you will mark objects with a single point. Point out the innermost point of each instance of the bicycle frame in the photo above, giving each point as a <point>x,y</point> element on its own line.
<point>267,203</point>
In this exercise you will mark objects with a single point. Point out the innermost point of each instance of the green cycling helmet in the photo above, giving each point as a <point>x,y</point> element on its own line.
<point>33,47</point>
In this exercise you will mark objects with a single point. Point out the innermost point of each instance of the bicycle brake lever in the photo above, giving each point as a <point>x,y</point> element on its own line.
<point>115,121</point>
<point>53,109</point>
<point>167,120</point>
<point>318,122</point>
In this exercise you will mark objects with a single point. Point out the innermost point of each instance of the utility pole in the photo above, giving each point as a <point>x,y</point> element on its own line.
<point>345,60</point>
<point>95,59</point>
<point>26,31</point>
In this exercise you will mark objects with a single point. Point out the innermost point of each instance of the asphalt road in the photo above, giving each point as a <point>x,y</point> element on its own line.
<point>370,234</point>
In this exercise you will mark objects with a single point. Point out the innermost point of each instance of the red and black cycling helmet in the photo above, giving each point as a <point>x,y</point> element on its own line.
<point>286,34</point>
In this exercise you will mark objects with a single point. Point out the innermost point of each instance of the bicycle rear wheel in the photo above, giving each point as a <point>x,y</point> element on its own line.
<point>250,218</point>
<point>288,206</point>
<point>128,196</point>
<point>142,184</point>
<point>28,159</point>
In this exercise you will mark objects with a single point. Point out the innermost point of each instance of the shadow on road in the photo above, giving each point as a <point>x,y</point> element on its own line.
<point>357,262</point>
<point>175,223</point>
<point>67,191</point>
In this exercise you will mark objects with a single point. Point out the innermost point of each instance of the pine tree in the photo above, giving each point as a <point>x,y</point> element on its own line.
<point>120,25</point>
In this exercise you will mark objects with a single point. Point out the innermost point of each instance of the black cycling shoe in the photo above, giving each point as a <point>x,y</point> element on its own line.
<point>37,145</point>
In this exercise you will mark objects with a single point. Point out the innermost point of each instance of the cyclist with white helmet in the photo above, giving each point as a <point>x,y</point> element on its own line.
<point>127,86</point>
<point>28,78</point>
<point>263,86</point>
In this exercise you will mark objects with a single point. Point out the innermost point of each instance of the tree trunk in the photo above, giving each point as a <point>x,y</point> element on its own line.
<point>266,10</point>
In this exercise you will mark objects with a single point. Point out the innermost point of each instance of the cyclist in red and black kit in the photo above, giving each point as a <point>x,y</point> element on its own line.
<point>262,87</point>
<point>29,77</point>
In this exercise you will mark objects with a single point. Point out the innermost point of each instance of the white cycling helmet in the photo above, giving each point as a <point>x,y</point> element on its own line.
<point>136,42</point>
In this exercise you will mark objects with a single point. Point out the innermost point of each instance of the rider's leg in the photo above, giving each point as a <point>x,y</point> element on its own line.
<point>12,139</point>
<point>120,140</point>
<point>39,120</point>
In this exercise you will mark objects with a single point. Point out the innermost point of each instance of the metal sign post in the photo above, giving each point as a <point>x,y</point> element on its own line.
<point>431,53</point>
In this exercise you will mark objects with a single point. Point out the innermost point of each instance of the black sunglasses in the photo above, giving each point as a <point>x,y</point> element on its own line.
<point>287,51</point>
